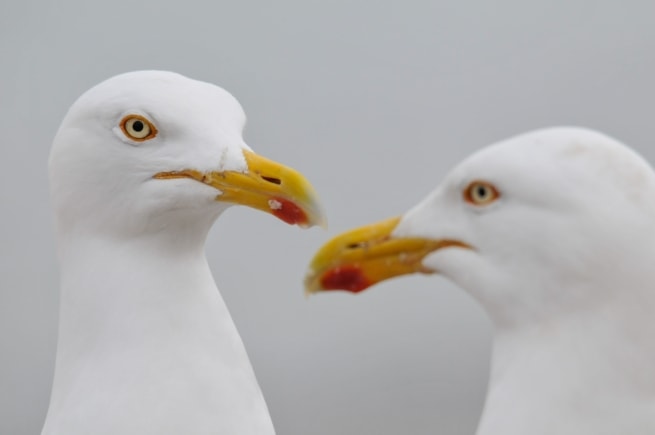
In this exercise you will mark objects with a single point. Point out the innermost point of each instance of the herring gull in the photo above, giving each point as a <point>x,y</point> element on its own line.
<point>553,233</point>
<point>140,169</point>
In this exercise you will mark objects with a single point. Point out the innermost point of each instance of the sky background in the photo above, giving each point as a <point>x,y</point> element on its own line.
<point>373,102</point>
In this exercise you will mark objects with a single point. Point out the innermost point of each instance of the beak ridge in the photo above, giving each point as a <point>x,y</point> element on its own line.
<point>360,258</point>
<point>265,185</point>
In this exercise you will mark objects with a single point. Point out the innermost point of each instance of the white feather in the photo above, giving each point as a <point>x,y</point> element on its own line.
<point>563,263</point>
<point>146,344</point>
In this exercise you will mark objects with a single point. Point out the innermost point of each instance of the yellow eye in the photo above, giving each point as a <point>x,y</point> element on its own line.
<point>481,193</point>
<point>138,128</point>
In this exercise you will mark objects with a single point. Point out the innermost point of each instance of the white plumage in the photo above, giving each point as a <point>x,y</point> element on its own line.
<point>146,343</point>
<point>560,251</point>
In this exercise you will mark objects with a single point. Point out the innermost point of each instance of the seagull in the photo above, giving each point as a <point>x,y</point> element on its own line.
<point>140,168</point>
<point>553,233</point>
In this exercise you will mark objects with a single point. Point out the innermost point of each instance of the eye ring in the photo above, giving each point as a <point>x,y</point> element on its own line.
<point>481,193</point>
<point>138,128</point>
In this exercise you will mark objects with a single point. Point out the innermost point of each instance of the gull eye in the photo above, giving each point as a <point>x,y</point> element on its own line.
<point>138,128</point>
<point>481,193</point>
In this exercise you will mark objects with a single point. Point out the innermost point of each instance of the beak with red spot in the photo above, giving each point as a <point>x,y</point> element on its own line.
<point>265,185</point>
<point>360,258</point>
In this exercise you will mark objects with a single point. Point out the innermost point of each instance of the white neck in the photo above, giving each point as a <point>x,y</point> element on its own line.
<point>146,344</point>
<point>589,373</point>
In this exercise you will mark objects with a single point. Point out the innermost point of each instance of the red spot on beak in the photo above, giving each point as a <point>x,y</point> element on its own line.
<point>348,278</point>
<point>288,212</point>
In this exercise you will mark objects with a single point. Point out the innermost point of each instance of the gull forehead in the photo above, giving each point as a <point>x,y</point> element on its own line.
<point>549,158</point>
<point>152,90</point>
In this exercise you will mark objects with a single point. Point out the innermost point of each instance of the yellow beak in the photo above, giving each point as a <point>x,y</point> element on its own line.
<point>267,186</point>
<point>357,259</point>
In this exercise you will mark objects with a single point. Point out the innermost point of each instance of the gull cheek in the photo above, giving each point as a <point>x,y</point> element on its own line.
<point>455,263</point>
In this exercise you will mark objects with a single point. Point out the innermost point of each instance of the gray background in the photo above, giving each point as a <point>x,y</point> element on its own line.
<point>374,102</point>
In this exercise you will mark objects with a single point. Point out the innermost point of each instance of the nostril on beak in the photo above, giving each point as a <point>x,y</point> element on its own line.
<point>272,180</point>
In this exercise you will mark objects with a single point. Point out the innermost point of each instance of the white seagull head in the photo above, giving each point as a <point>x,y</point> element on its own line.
<point>149,149</point>
<point>518,224</point>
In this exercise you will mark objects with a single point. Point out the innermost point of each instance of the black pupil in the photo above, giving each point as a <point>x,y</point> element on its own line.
<point>482,192</point>
<point>137,126</point>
